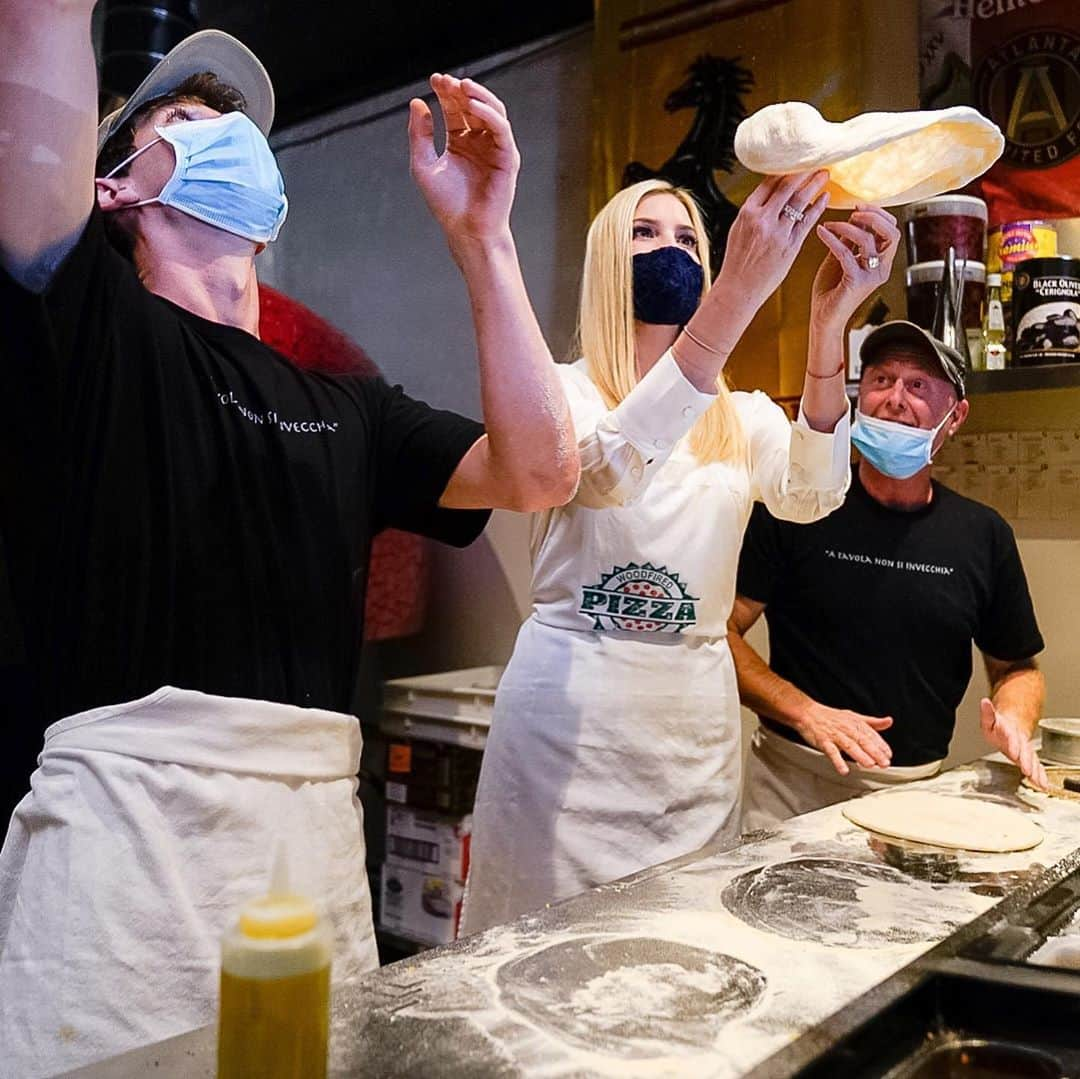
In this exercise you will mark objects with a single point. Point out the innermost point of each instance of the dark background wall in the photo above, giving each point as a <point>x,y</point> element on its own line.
<point>328,53</point>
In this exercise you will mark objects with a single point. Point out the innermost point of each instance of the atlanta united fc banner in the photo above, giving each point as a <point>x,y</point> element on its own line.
<point>1017,62</point>
<point>673,80</point>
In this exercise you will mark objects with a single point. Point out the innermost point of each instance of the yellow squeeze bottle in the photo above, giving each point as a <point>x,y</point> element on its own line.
<point>275,988</point>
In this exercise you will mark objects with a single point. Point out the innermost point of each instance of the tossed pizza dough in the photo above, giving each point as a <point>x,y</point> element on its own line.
<point>943,820</point>
<point>887,158</point>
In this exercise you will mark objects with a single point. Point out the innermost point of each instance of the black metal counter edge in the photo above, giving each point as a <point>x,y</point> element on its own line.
<point>945,993</point>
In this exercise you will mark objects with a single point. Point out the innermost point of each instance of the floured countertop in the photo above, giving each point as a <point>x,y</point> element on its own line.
<point>702,967</point>
<point>705,966</point>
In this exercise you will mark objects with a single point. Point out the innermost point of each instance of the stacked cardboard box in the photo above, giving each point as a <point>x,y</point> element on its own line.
<point>432,775</point>
<point>423,877</point>
<point>436,728</point>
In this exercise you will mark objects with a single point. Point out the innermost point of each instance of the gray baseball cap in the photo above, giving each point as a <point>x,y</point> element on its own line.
<point>920,341</point>
<point>207,50</point>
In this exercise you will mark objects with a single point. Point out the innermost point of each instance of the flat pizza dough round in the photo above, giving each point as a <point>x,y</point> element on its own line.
<point>943,820</point>
<point>887,158</point>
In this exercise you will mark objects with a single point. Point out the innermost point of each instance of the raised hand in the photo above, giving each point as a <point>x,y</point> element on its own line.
<point>838,731</point>
<point>770,229</point>
<point>764,239</point>
<point>469,187</point>
<point>860,258</point>
<point>1005,734</point>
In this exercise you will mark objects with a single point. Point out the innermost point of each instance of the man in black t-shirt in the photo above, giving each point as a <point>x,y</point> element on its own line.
<point>183,504</point>
<point>187,519</point>
<point>872,611</point>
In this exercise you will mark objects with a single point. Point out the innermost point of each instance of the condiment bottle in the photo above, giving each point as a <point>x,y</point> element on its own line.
<point>275,988</point>
<point>994,350</point>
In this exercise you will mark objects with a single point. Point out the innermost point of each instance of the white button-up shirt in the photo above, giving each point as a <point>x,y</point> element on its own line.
<point>650,542</point>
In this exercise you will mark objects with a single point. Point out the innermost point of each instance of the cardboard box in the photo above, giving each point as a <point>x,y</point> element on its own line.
<point>420,906</point>
<point>432,775</point>
<point>436,844</point>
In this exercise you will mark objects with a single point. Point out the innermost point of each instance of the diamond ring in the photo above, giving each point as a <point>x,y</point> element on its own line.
<point>872,262</point>
<point>791,213</point>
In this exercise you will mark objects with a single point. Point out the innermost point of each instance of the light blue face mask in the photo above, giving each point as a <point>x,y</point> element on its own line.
<point>226,175</point>
<point>894,449</point>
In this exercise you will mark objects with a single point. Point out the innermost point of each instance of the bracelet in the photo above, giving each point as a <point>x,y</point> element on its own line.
<point>831,374</point>
<point>701,344</point>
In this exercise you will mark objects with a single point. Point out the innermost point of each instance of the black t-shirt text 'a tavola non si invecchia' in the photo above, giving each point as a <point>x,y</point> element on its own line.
<point>875,609</point>
<point>183,506</point>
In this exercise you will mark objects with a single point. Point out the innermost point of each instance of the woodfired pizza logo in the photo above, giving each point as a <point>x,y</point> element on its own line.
<point>640,599</point>
<point>1030,87</point>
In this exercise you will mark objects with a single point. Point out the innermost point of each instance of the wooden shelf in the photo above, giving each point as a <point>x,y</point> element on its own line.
<point>1012,379</point>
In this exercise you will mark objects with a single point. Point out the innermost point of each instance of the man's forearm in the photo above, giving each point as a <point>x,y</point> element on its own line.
<point>762,690</point>
<point>530,434</point>
<point>48,102</point>
<point>1021,694</point>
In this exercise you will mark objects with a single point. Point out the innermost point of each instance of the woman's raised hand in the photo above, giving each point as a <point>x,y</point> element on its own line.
<point>771,227</point>
<point>469,187</point>
<point>764,239</point>
<point>860,258</point>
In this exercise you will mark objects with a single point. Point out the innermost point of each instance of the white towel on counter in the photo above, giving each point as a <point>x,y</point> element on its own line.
<point>148,825</point>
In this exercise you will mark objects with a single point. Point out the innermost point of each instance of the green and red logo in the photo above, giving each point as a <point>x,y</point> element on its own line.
<point>640,599</point>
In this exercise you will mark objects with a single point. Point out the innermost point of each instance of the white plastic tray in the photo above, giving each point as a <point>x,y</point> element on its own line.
<point>453,707</point>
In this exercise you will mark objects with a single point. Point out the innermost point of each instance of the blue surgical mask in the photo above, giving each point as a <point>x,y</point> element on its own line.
<point>226,175</point>
<point>894,449</point>
<point>667,286</point>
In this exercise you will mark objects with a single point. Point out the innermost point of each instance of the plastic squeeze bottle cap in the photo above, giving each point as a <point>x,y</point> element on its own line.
<point>279,933</point>
<point>279,914</point>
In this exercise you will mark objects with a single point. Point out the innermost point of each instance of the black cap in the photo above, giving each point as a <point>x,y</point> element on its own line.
<point>898,332</point>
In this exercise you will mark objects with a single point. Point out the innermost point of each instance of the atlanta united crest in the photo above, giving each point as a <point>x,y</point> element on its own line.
<point>641,599</point>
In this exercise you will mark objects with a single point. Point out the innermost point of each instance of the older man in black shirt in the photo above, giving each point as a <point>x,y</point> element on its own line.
<point>872,611</point>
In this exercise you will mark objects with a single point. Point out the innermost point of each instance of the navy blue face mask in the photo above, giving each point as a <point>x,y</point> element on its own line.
<point>667,286</point>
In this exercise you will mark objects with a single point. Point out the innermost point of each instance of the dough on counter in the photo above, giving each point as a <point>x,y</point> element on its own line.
<point>944,820</point>
<point>887,158</point>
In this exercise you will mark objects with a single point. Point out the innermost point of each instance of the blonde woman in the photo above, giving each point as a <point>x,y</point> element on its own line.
<point>616,738</point>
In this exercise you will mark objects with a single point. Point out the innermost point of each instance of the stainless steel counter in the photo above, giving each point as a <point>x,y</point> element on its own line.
<point>706,966</point>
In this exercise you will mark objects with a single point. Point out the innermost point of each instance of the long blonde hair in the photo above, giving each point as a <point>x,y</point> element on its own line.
<point>605,334</point>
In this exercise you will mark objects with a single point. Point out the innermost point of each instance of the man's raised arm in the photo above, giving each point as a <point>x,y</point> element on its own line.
<point>48,133</point>
<point>528,460</point>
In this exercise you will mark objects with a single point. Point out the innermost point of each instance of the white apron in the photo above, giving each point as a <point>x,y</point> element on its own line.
<point>606,754</point>
<point>148,825</point>
<point>615,741</point>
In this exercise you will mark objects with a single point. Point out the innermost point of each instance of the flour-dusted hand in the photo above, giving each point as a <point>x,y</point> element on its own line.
<point>860,258</point>
<point>469,187</point>
<point>1007,735</point>
<point>839,732</point>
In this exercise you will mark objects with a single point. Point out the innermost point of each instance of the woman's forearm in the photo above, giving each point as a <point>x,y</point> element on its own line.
<point>824,400</point>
